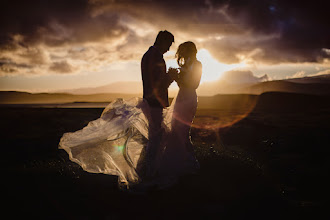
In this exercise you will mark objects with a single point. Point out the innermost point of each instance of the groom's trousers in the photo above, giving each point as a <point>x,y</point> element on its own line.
<point>155,136</point>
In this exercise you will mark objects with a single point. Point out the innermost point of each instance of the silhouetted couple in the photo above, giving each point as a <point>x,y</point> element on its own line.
<point>145,142</point>
<point>178,153</point>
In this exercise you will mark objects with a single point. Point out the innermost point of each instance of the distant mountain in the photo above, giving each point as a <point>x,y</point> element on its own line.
<point>248,85</point>
<point>287,86</point>
<point>266,102</point>
<point>129,87</point>
<point>237,101</point>
<point>220,87</point>
<point>242,77</point>
<point>312,79</point>
<point>318,85</point>
<point>37,98</point>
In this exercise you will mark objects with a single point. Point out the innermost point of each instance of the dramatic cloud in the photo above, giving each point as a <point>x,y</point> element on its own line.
<point>39,36</point>
<point>298,74</point>
<point>9,66</point>
<point>241,77</point>
<point>62,67</point>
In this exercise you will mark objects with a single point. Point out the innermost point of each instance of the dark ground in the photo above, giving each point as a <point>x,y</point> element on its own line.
<point>273,164</point>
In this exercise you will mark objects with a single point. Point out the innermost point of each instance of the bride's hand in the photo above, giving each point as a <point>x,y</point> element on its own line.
<point>174,73</point>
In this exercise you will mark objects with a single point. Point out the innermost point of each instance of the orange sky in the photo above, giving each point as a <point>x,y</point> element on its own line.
<point>56,45</point>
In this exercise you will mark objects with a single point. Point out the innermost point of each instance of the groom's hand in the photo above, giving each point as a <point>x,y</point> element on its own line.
<point>173,73</point>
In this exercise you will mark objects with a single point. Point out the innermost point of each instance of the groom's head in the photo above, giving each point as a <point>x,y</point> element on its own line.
<point>164,41</point>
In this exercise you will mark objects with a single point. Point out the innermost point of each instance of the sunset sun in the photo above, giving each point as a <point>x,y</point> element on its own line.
<point>213,69</point>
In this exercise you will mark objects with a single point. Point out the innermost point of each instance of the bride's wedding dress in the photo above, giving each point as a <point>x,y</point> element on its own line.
<point>115,143</point>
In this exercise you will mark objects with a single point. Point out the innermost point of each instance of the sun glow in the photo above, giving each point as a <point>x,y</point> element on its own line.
<point>212,69</point>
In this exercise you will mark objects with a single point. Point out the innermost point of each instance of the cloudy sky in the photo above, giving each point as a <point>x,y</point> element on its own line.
<point>48,45</point>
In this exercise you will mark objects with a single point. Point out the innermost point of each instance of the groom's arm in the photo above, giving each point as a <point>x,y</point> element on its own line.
<point>164,79</point>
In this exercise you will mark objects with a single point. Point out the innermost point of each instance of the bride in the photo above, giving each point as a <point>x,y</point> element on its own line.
<point>115,143</point>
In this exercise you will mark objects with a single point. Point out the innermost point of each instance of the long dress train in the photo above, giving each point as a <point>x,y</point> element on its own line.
<point>114,143</point>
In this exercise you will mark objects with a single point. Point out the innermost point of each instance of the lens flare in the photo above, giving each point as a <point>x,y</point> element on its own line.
<point>120,148</point>
<point>222,116</point>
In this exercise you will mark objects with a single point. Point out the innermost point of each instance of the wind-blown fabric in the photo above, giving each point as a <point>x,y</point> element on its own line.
<point>112,144</point>
<point>115,143</point>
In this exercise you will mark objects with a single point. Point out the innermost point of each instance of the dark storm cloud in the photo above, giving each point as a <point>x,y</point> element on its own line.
<point>53,22</point>
<point>289,31</point>
<point>43,33</point>
<point>283,31</point>
<point>29,18</point>
<point>271,31</point>
<point>9,66</point>
<point>61,67</point>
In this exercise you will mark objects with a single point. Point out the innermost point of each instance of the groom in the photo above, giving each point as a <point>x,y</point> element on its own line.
<point>155,91</point>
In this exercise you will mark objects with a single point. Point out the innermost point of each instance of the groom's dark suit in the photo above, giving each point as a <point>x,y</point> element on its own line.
<point>155,91</point>
<point>155,79</point>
